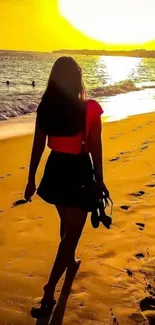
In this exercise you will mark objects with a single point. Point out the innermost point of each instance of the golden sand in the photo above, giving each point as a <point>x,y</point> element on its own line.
<point>103,292</point>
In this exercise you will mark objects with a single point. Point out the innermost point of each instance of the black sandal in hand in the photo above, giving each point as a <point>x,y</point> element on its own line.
<point>45,310</point>
<point>99,215</point>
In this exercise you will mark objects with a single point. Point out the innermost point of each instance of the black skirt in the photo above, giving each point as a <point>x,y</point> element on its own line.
<point>64,178</point>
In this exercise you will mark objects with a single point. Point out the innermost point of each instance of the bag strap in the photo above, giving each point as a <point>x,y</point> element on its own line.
<point>83,142</point>
<point>84,138</point>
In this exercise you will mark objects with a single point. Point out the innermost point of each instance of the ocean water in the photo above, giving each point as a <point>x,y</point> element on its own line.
<point>123,86</point>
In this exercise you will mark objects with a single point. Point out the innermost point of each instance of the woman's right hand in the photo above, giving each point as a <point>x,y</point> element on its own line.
<point>30,190</point>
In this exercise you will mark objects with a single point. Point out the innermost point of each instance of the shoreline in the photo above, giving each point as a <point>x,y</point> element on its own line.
<point>16,127</point>
<point>25,125</point>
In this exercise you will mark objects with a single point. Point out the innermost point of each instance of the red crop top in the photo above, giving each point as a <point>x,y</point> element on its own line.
<point>73,144</point>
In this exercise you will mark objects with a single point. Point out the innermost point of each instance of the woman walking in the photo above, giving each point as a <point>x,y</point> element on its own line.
<point>72,127</point>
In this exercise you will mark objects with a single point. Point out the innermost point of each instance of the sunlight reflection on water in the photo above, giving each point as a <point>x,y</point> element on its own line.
<point>120,68</point>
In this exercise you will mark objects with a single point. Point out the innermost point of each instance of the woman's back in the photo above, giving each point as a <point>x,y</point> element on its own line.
<point>72,144</point>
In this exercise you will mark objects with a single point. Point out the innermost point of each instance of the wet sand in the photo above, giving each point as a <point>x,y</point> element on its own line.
<point>118,265</point>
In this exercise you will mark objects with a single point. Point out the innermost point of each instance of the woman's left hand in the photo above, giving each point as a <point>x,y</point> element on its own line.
<point>105,190</point>
<point>30,190</point>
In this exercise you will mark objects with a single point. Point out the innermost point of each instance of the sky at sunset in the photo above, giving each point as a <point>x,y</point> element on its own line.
<point>46,25</point>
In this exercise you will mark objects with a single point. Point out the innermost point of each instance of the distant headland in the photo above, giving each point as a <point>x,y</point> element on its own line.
<point>134,53</point>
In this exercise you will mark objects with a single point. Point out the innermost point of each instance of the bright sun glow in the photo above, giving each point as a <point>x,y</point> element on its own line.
<point>119,68</point>
<point>112,21</point>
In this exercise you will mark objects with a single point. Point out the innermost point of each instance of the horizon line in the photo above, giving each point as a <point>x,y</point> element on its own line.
<point>82,49</point>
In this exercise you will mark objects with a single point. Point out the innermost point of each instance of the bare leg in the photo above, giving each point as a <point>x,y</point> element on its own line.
<point>62,213</point>
<point>59,309</point>
<point>74,221</point>
<point>62,225</point>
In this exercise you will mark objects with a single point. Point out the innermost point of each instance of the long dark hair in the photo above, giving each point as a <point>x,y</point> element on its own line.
<point>62,106</point>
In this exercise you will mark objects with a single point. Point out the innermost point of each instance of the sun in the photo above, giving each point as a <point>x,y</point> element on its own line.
<point>112,21</point>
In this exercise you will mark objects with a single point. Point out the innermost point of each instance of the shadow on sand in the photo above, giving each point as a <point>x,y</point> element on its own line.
<point>59,310</point>
<point>148,305</point>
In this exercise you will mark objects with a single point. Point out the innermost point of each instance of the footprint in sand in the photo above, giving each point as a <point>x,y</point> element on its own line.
<point>150,122</point>
<point>139,193</point>
<point>140,225</point>
<point>129,273</point>
<point>139,256</point>
<point>150,290</point>
<point>22,167</point>
<point>112,138</point>
<point>145,147</point>
<point>114,159</point>
<point>1,177</point>
<point>125,207</point>
<point>146,142</point>
<point>150,185</point>
<point>115,321</point>
<point>8,174</point>
<point>124,152</point>
<point>1,211</point>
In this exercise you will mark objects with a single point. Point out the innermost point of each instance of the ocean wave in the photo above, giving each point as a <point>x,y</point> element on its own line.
<point>9,112</point>
<point>121,87</point>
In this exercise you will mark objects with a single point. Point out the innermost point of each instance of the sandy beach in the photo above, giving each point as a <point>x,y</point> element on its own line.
<point>118,265</point>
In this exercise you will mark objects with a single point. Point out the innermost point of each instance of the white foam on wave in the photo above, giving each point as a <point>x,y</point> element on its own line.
<point>16,104</point>
<point>121,87</point>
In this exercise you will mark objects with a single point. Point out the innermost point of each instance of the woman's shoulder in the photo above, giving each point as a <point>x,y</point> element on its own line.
<point>94,107</point>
